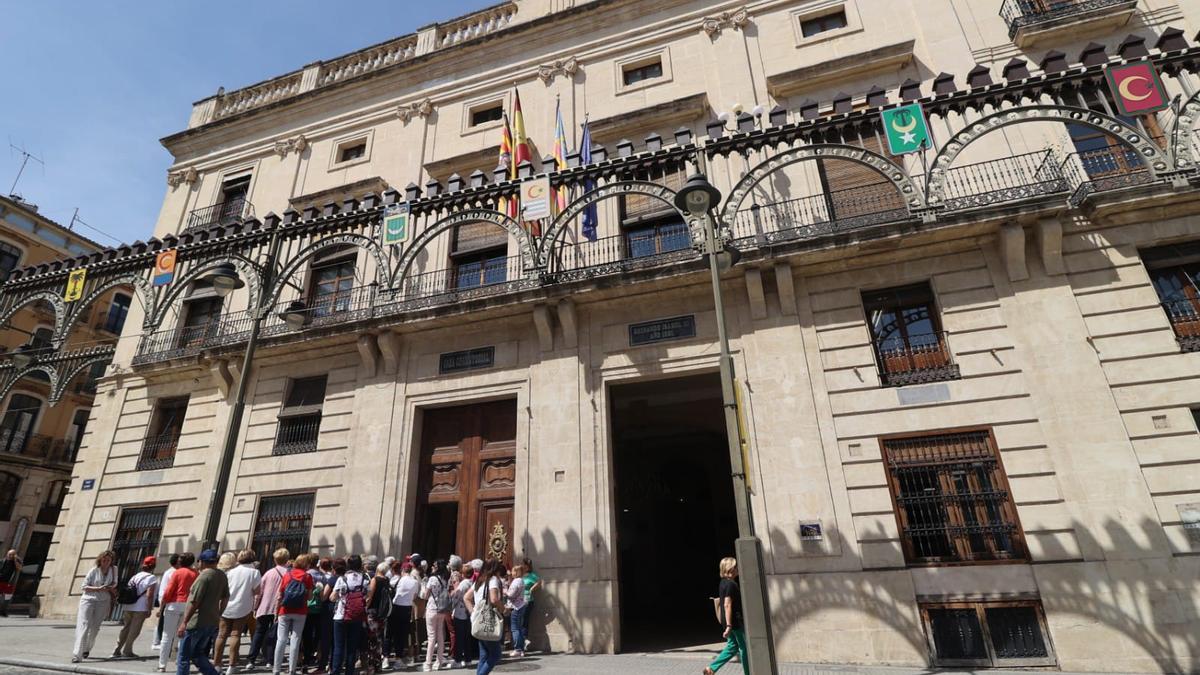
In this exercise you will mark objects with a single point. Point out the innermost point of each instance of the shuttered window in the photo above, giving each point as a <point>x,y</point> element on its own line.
<point>853,190</point>
<point>952,499</point>
<point>987,634</point>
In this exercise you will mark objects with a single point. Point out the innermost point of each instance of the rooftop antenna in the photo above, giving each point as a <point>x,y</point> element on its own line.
<point>25,157</point>
<point>74,217</point>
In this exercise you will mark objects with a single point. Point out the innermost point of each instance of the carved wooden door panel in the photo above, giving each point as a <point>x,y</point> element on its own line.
<point>467,479</point>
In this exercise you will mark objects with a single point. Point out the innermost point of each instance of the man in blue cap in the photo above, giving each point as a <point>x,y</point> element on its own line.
<point>198,629</point>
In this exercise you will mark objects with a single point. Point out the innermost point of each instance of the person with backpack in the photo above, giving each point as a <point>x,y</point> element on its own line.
<point>309,646</point>
<point>379,608</point>
<point>729,613</point>
<point>134,596</point>
<point>437,613</point>
<point>291,612</point>
<point>350,616</point>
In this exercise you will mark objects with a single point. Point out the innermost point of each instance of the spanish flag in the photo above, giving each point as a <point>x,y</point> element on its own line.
<point>506,205</point>
<point>521,151</point>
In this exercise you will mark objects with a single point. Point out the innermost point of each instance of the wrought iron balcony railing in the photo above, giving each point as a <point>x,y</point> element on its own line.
<point>1004,180</point>
<point>645,247</point>
<point>158,452</point>
<point>1184,314</point>
<point>297,434</point>
<point>35,446</point>
<point>222,213</point>
<point>1104,169</point>
<point>915,359</point>
<point>818,215</point>
<point>1019,14</point>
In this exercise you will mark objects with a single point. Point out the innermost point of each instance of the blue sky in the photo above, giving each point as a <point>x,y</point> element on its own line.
<point>90,87</point>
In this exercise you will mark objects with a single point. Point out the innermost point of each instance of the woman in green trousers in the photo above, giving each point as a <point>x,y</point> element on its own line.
<point>730,614</point>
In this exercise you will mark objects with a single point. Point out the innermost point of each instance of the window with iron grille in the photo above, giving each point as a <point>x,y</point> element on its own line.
<point>162,437</point>
<point>284,521</point>
<point>952,499</point>
<point>300,417</point>
<point>1175,272</point>
<point>137,536</point>
<point>910,347</point>
<point>987,634</point>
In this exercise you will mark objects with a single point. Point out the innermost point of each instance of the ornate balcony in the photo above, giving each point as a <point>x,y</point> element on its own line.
<point>1032,20</point>
<point>36,446</point>
<point>915,359</point>
<point>158,452</point>
<point>224,213</point>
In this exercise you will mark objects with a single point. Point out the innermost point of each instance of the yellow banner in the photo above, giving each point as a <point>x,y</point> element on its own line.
<point>75,285</point>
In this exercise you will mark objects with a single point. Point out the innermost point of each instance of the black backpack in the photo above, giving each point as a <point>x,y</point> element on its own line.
<point>382,602</point>
<point>127,594</point>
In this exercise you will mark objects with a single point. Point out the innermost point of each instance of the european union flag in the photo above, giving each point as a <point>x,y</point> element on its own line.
<point>589,213</point>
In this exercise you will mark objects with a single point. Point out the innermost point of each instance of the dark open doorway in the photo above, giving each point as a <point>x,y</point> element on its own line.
<point>674,507</point>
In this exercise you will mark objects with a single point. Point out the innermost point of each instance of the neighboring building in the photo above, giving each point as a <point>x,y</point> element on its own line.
<point>968,392</point>
<point>42,425</point>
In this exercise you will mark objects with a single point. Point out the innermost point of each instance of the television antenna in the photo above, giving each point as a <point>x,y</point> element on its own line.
<point>25,157</point>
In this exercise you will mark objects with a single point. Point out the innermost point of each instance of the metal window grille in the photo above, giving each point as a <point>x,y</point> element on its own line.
<point>1009,633</point>
<point>283,522</point>
<point>952,499</point>
<point>910,347</point>
<point>138,534</point>
<point>159,446</point>
<point>300,418</point>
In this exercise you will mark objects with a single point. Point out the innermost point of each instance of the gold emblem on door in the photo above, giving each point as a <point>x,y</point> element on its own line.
<point>497,542</point>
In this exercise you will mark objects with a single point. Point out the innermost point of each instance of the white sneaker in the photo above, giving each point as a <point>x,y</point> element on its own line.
<point>156,646</point>
<point>229,670</point>
<point>426,668</point>
<point>384,665</point>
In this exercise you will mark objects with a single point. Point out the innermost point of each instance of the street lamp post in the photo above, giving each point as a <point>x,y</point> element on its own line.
<point>697,198</point>
<point>225,280</point>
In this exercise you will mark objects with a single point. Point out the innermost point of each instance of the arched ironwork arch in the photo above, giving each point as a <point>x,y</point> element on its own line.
<point>524,241</point>
<point>884,166</point>
<point>935,182</point>
<point>335,241</point>
<point>55,300</point>
<point>141,287</point>
<point>245,266</point>
<point>11,381</point>
<point>610,191</point>
<point>1183,141</point>
<point>72,370</point>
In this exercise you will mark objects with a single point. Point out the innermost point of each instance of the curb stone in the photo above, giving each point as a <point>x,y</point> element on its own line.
<point>65,667</point>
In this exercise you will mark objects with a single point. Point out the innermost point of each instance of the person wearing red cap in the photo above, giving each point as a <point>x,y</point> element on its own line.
<point>135,614</point>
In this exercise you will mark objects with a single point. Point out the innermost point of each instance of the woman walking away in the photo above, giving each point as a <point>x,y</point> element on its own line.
<point>165,579</point>
<point>516,602</point>
<point>350,594</point>
<point>175,599</point>
<point>140,588</point>
<point>379,607</point>
<point>730,603</point>
<point>291,611</point>
<point>488,597</point>
<point>99,589</point>
<point>437,611</point>
<point>400,622</point>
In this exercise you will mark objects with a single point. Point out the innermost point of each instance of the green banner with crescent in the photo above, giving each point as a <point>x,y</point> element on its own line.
<point>396,225</point>
<point>907,130</point>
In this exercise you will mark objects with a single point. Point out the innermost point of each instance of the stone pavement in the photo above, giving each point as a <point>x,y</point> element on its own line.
<point>41,645</point>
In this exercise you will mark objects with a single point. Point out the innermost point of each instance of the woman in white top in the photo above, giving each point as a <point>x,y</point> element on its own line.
<point>99,589</point>
<point>516,602</point>
<point>348,631</point>
<point>487,590</point>
<point>464,643</point>
<point>437,612</point>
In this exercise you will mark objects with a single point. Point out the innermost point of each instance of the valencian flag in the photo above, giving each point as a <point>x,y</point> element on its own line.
<point>585,156</point>
<point>507,206</point>
<point>1137,88</point>
<point>906,129</point>
<point>560,155</point>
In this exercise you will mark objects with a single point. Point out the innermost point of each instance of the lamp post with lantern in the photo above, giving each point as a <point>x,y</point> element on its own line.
<point>697,199</point>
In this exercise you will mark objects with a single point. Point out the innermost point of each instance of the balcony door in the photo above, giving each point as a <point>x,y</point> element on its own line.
<point>467,478</point>
<point>18,423</point>
<point>201,317</point>
<point>332,283</point>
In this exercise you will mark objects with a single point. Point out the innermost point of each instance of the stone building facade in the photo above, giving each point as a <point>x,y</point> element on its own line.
<point>43,423</point>
<point>967,376</point>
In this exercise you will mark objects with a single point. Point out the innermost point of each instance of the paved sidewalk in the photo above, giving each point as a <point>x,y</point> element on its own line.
<point>45,645</point>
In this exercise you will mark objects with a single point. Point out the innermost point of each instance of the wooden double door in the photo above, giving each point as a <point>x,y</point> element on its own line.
<point>468,474</point>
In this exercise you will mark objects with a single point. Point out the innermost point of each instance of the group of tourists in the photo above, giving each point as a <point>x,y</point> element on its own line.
<point>311,614</point>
